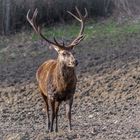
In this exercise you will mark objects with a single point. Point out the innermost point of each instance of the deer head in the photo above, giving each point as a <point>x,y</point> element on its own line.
<point>64,51</point>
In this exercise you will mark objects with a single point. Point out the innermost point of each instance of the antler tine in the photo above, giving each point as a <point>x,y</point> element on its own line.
<point>74,15</point>
<point>63,43</point>
<point>34,16</point>
<point>57,43</point>
<point>35,13</point>
<point>27,16</point>
<point>77,41</point>
<point>86,13</point>
<point>34,20</point>
<point>78,12</point>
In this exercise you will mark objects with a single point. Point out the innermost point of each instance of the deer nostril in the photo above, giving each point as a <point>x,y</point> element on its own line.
<point>76,62</point>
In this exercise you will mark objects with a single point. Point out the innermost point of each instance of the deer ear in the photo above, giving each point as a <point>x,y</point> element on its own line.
<point>56,48</point>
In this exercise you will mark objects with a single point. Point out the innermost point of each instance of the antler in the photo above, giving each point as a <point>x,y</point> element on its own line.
<point>37,29</point>
<point>75,42</point>
<point>81,19</point>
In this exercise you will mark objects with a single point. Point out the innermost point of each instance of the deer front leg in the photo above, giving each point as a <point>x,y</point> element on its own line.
<point>52,110</point>
<point>56,115</point>
<point>54,105</point>
<point>68,111</point>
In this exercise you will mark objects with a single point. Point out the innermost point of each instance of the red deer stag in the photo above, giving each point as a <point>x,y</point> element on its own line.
<point>57,78</point>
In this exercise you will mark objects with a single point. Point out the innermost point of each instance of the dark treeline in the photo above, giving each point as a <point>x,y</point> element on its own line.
<point>13,12</point>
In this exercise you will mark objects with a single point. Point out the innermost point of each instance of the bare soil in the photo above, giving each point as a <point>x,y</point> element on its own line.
<point>107,99</point>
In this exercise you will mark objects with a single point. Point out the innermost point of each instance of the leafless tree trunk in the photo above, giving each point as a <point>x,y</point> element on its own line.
<point>7,16</point>
<point>2,11</point>
<point>123,6</point>
<point>106,5</point>
<point>5,9</point>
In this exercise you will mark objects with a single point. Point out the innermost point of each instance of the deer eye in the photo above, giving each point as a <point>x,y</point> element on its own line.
<point>64,54</point>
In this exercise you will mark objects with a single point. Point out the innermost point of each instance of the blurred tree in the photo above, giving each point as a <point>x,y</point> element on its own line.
<point>123,6</point>
<point>2,10</point>
<point>7,16</point>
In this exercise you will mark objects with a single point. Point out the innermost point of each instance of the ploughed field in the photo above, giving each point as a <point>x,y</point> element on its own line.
<point>107,99</point>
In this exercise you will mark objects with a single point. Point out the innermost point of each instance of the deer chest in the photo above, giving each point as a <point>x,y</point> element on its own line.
<point>60,93</point>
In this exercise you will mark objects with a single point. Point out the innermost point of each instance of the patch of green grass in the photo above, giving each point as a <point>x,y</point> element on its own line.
<point>113,30</point>
<point>109,28</point>
<point>132,28</point>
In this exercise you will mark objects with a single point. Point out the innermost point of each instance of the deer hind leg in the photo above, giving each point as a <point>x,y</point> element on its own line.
<point>47,107</point>
<point>68,111</point>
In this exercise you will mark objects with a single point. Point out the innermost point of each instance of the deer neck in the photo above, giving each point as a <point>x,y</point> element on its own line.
<point>65,73</point>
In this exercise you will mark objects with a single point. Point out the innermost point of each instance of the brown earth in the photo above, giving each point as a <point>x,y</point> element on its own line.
<point>107,100</point>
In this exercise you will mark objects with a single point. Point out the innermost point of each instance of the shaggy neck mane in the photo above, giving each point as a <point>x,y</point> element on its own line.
<point>64,77</point>
<point>64,73</point>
